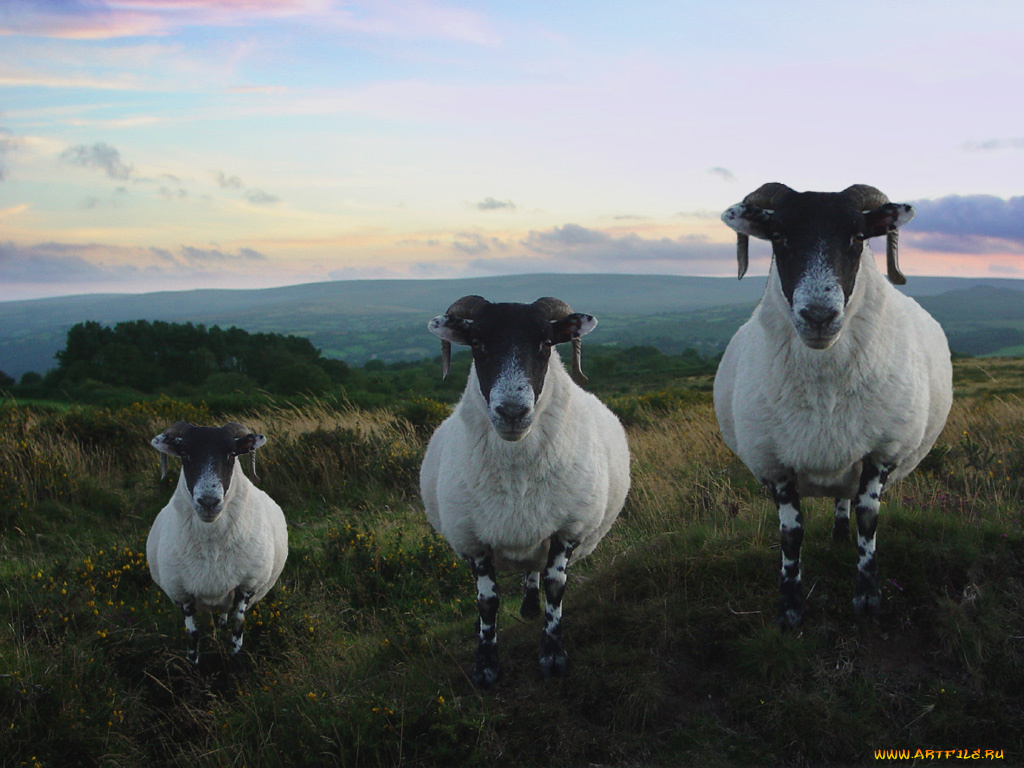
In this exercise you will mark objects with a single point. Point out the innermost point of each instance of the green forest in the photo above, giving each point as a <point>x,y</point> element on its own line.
<point>233,369</point>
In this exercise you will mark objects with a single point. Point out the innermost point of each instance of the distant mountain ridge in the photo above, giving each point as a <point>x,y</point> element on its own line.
<point>357,320</point>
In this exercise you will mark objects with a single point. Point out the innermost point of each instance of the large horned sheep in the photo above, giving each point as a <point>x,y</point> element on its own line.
<point>529,471</point>
<point>838,384</point>
<point>220,544</point>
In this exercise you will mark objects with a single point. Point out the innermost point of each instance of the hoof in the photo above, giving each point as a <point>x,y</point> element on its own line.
<point>791,607</point>
<point>790,618</point>
<point>238,668</point>
<point>841,529</point>
<point>553,658</point>
<point>553,666</point>
<point>485,667</point>
<point>530,609</point>
<point>483,677</point>
<point>868,605</point>
<point>791,611</point>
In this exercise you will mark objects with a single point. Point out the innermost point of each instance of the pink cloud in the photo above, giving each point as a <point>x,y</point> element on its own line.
<point>89,20</point>
<point>92,20</point>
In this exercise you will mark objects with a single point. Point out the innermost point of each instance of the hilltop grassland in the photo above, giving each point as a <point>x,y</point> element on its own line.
<point>360,655</point>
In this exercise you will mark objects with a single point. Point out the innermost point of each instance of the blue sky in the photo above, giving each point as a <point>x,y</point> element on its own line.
<point>159,144</point>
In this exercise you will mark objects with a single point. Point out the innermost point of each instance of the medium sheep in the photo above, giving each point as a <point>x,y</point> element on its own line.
<point>838,384</point>
<point>220,543</point>
<point>529,471</point>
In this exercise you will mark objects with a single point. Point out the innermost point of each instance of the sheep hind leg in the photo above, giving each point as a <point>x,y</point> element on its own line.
<point>530,609</point>
<point>791,536</point>
<point>553,657</point>
<point>238,609</point>
<point>188,610</point>
<point>867,600</point>
<point>841,528</point>
<point>485,665</point>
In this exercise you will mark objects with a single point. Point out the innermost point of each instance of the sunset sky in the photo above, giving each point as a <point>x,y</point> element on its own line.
<point>168,144</point>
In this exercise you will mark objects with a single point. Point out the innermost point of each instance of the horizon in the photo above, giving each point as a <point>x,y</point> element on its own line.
<point>749,276</point>
<point>148,146</point>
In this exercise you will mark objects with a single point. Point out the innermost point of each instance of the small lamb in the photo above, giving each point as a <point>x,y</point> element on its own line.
<point>530,470</point>
<point>220,544</point>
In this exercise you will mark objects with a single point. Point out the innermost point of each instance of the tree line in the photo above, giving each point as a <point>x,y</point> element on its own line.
<point>110,365</point>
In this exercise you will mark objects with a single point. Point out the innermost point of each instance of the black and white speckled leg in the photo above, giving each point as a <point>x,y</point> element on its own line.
<point>791,536</point>
<point>867,600</point>
<point>530,609</point>
<point>485,666</point>
<point>241,605</point>
<point>841,529</point>
<point>553,657</point>
<point>188,610</point>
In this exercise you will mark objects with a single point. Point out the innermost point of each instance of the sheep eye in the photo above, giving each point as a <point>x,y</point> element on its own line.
<point>777,237</point>
<point>858,238</point>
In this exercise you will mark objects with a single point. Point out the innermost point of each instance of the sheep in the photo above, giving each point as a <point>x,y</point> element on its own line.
<point>838,384</point>
<point>220,544</point>
<point>529,471</point>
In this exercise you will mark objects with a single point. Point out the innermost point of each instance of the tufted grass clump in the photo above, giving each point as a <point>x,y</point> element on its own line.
<point>349,456</point>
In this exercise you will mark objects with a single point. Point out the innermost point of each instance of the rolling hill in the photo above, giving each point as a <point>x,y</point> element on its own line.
<point>360,320</point>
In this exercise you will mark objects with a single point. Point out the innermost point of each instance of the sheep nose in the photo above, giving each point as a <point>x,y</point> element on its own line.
<point>208,504</point>
<point>511,413</point>
<point>819,317</point>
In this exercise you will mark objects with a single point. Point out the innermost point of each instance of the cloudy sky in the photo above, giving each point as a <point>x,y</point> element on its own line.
<point>167,144</point>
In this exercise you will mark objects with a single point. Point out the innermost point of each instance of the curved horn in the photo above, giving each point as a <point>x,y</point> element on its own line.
<point>178,429</point>
<point>236,430</point>
<point>553,309</point>
<point>556,309</point>
<point>466,307</point>
<point>867,198</point>
<point>765,196</point>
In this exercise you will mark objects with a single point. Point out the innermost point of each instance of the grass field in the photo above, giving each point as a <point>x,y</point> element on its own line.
<point>360,655</point>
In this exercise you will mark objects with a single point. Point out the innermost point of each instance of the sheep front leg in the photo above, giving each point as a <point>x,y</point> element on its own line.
<point>553,657</point>
<point>485,666</point>
<point>791,536</point>
<point>188,610</point>
<point>241,605</point>
<point>866,598</point>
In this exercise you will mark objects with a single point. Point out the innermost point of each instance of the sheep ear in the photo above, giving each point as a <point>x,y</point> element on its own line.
<point>168,445</point>
<point>249,443</point>
<point>886,218</point>
<point>456,330</point>
<point>750,220</point>
<point>572,327</point>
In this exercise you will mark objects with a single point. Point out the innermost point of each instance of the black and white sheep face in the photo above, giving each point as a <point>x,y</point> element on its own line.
<point>511,346</point>
<point>207,460</point>
<point>817,241</point>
